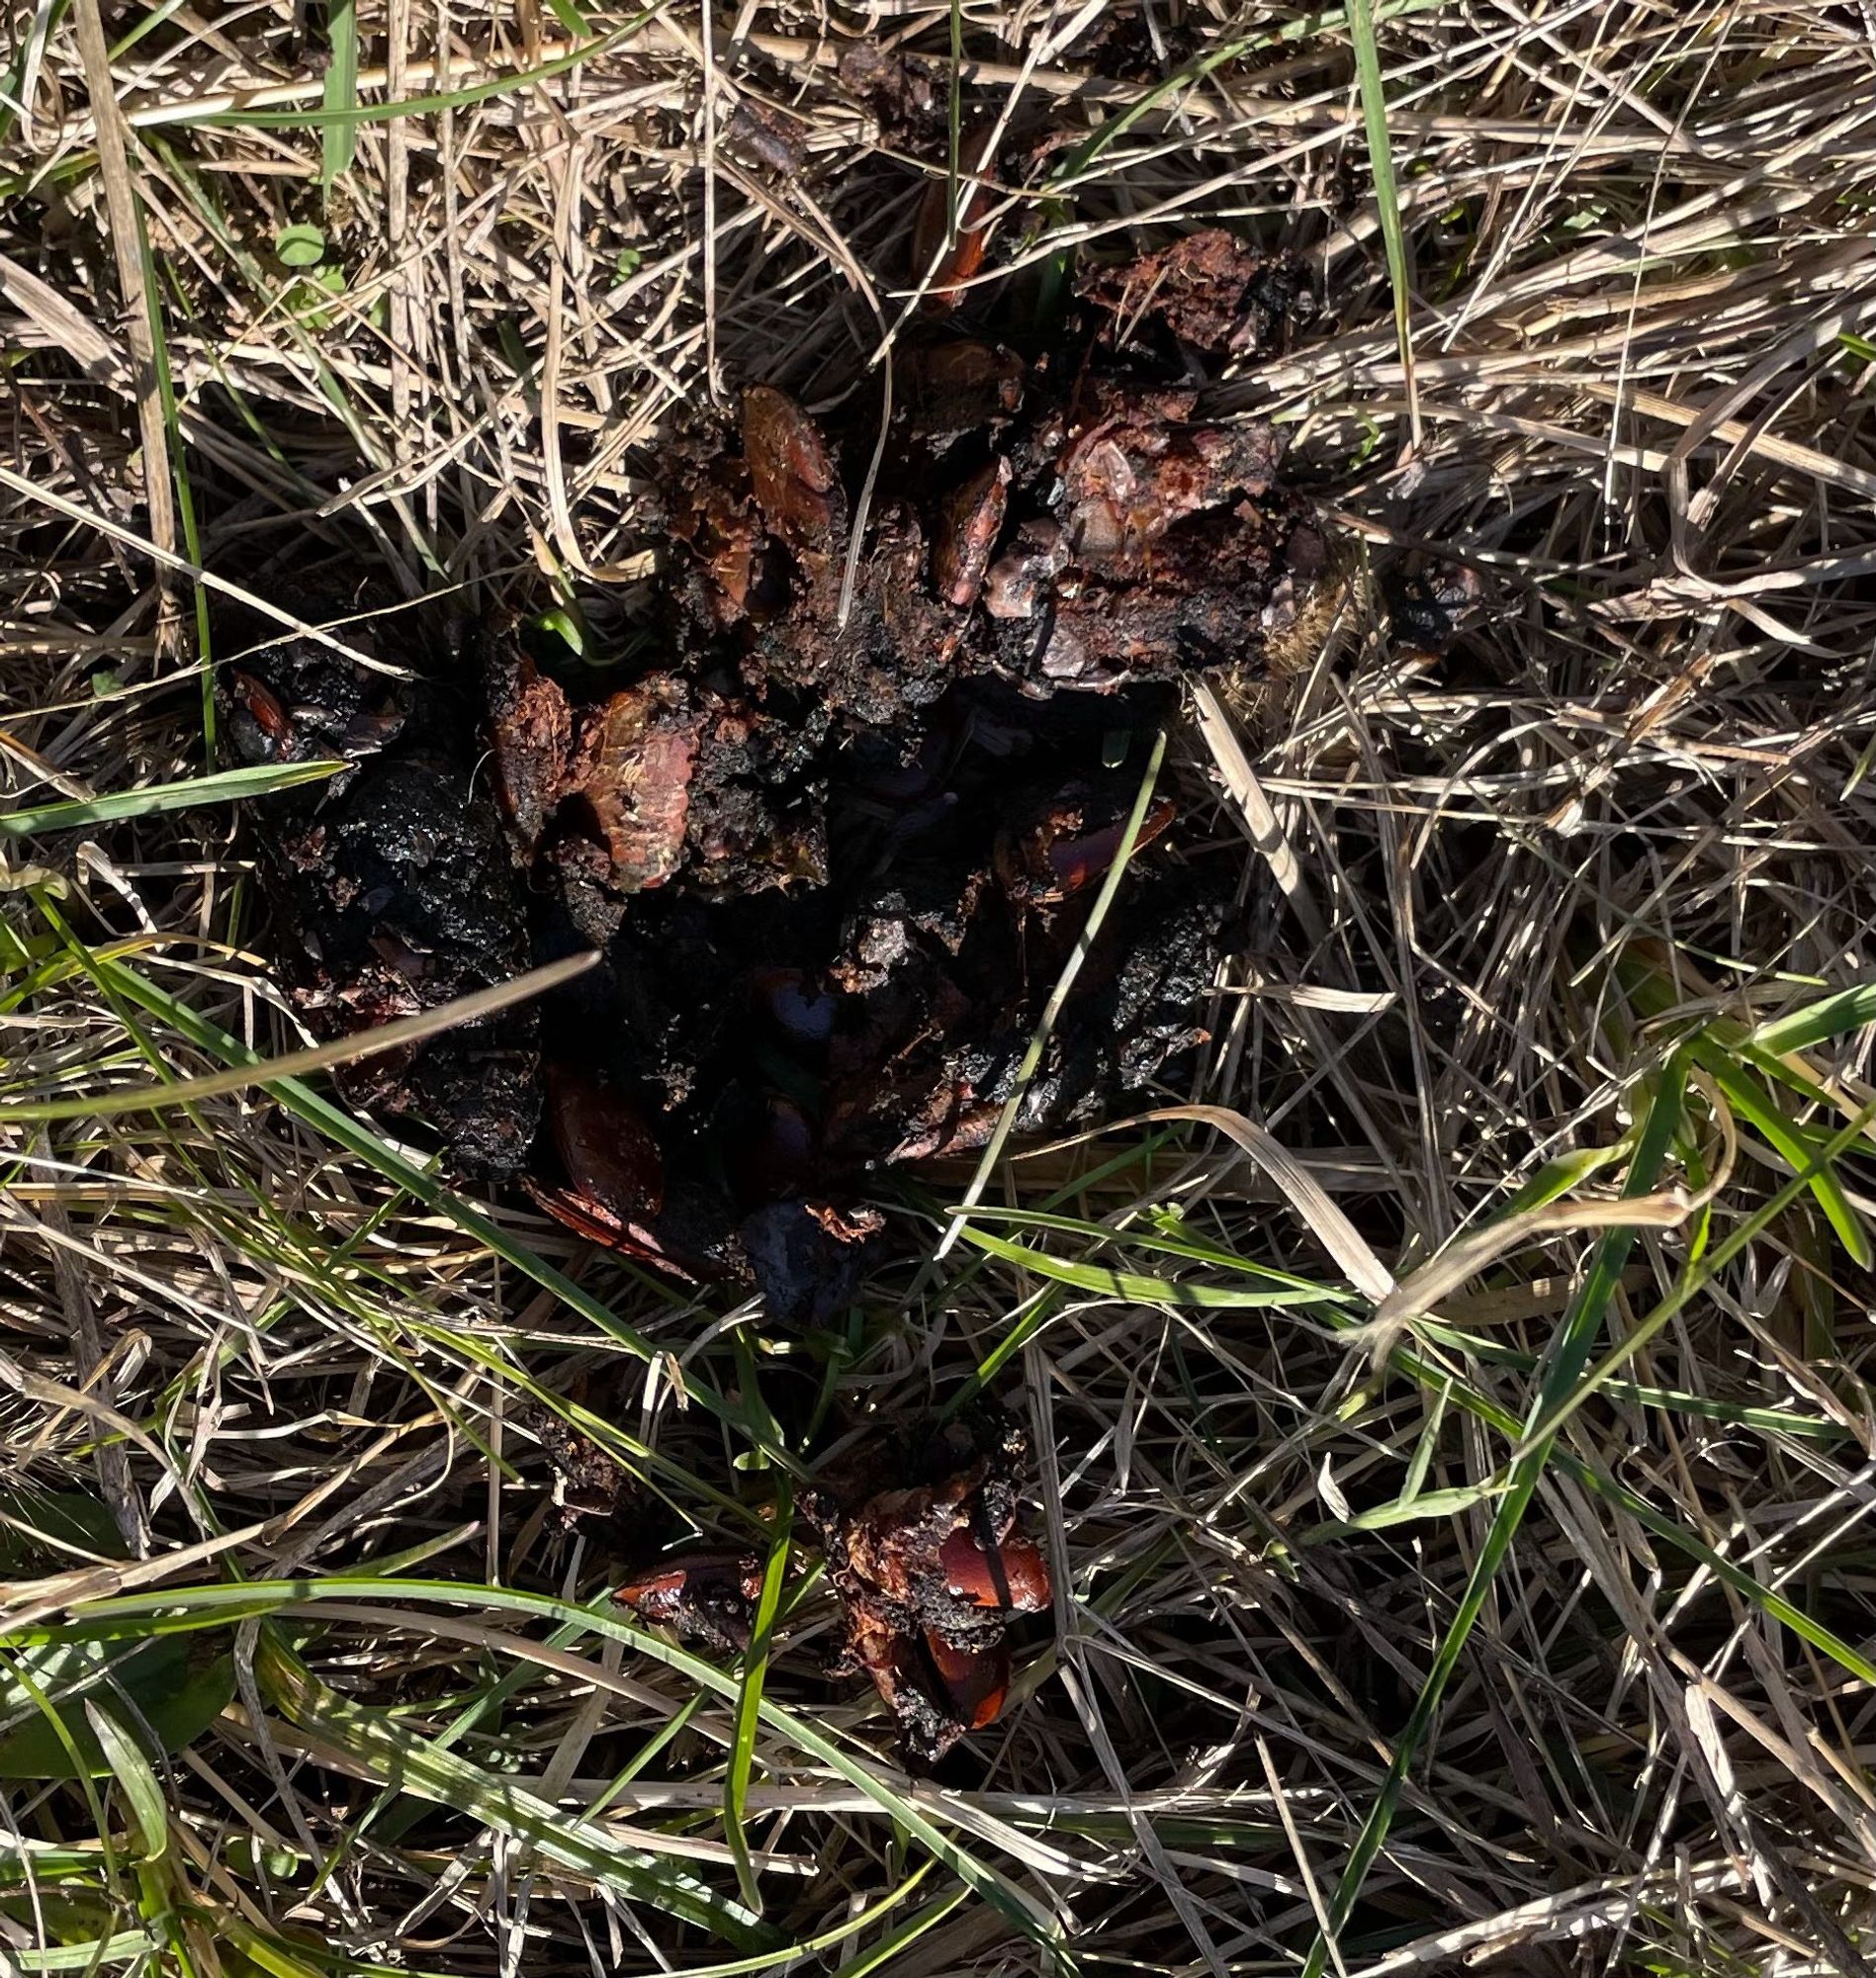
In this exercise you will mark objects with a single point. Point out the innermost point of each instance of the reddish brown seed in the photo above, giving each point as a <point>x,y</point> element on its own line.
<point>1017,585</point>
<point>693,1573</point>
<point>969,527</point>
<point>654,1596</point>
<point>613,1162</point>
<point>1013,1576</point>
<point>719,525</point>
<point>530,735</point>
<point>1054,857</point>
<point>789,465</point>
<point>710,1596</point>
<point>588,1220</point>
<point>264,710</point>
<point>959,262</point>
<point>731,563</point>
<point>1076,863</point>
<point>973,1681</point>
<point>964,256</point>
<point>633,765</point>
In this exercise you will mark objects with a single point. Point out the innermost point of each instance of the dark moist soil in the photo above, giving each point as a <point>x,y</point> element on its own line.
<point>836,847</point>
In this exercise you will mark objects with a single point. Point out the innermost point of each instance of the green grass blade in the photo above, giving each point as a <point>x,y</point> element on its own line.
<point>1794,1146</point>
<point>1157,1241</point>
<point>372,1738</point>
<point>134,1775</point>
<point>1406,1510</point>
<point>151,21</point>
<point>1133,1285</point>
<point>1723,1046</point>
<point>1818,1023</point>
<point>889,1946</point>
<point>1380,159</point>
<point>1695,1278</point>
<point>125,1946</point>
<point>1563,1176</point>
<point>1306,27</point>
<point>749,1703</point>
<point>343,1130</point>
<point>224,786</point>
<point>340,139</point>
<point>1586,1318</point>
<point>171,1610</point>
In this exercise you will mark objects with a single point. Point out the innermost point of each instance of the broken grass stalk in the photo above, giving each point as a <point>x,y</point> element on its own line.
<point>1442,1275</point>
<point>317,1057</point>
<point>748,1701</point>
<point>1071,968</point>
<point>115,806</point>
<point>75,512</point>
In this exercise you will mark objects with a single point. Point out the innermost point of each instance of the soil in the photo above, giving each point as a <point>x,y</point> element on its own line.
<point>392,886</point>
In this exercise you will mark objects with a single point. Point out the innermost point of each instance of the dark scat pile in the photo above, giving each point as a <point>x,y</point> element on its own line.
<point>835,846</point>
<point>838,848</point>
<point>920,1528</point>
<point>926,1551</point>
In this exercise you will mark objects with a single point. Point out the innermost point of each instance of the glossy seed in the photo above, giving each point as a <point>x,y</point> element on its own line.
<point>263,709</point>
<point>950,267</point>
<point>788,466</point>
<point>973,1681</point>
<point>1075,862</point>
<point>1013,1576</point>
<point>968,526</point>
<point>611,1157</point>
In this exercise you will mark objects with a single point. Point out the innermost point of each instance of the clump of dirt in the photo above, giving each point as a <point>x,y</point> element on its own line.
<point>925,1550</point>
<point>836,847</point>
<point>393,884</point>
<point>591,1489</point>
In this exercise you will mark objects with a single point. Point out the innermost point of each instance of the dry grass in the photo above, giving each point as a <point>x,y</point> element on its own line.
<point>1521,918</point>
